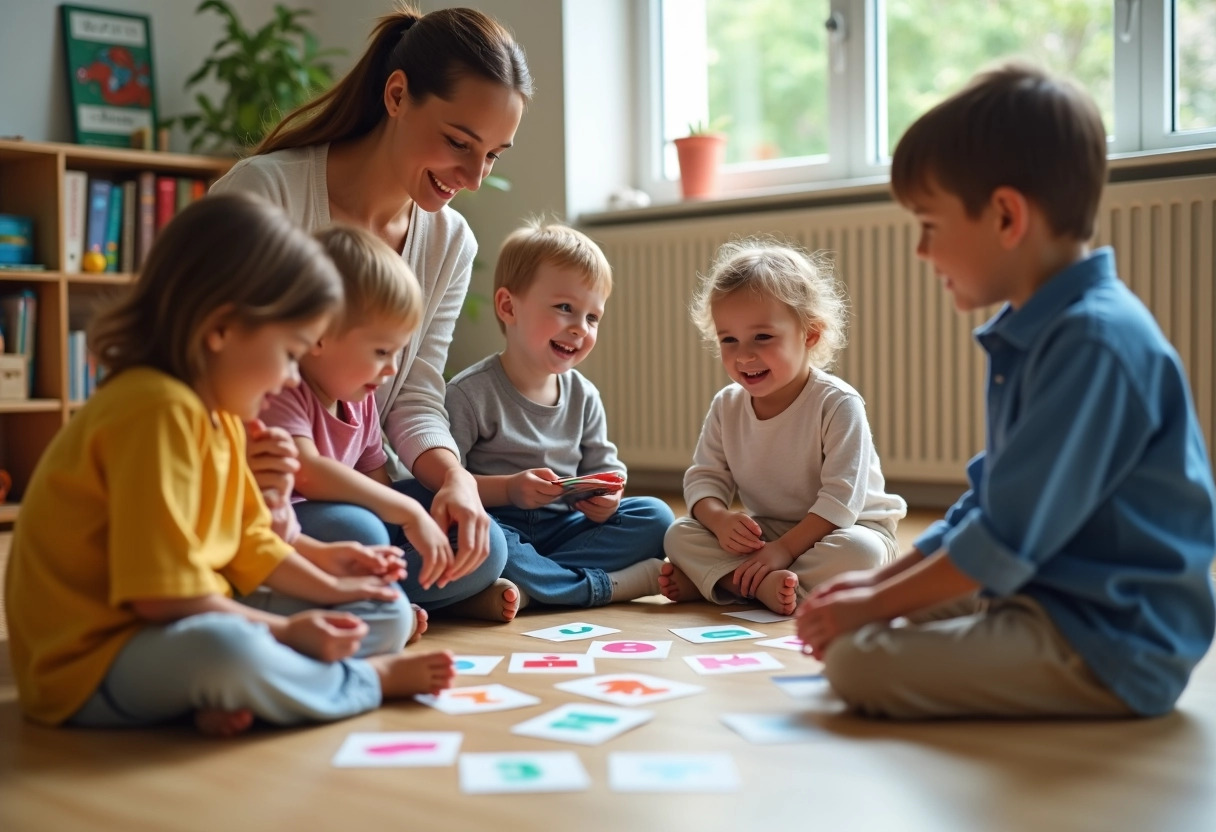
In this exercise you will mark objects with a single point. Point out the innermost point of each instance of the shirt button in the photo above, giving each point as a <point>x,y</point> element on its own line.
<point>998,378</point>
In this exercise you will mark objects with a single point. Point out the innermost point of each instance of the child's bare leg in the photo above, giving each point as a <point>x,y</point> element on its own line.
<point>405,674</point>
<point>500,601</point>
<point>675,585</point>
<point>216,723</point>
<point>420,619</point>
<point>778,591</point>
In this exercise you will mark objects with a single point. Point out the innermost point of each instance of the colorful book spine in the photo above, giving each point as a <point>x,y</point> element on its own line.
<point>113,229</point>
<point>126,244</point>
<point>146,220</point>
<point>185,194</point>
<point>166,200</point>
<point>75,218</point>
<point>99,210</point>
<point>20,311</point>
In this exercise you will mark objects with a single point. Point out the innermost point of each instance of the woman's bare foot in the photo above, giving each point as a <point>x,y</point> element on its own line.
<point>779,591</point>
<point>420,620</point>
<point>216,723</point>
<point>500,601</point>
<point>405,674</point>
<point>675,585</point>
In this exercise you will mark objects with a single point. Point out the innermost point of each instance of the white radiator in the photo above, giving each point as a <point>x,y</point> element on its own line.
<point>910,354</point>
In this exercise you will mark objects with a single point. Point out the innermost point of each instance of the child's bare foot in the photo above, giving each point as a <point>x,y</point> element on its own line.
<point>675,585</point>
<point>779,591</point>
<point>405,674</point>
<point>216,723</point>
<point>499,601</point>
<point>420,619</point>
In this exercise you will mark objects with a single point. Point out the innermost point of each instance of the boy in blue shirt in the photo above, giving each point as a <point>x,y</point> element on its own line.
<point>1079,561</point>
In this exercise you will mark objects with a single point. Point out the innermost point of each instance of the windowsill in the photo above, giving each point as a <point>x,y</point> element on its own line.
<point>1123,167</point>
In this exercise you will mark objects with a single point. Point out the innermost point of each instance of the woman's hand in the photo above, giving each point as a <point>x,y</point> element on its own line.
<point>820,620</point>
<point>432,545</point>
<point>457,502</point>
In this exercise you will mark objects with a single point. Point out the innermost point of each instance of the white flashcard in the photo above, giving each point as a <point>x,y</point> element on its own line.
<point>760,616</point>
<point>804,685</point>
<point>393,749</point>
<point>716,633</point>
<point>782,643</point>
<point>655,771</point>
<point>713,665</point>
<point>475,700</point>
<point>629,688</point>
<point>522,771</point>
<point>475,665</point>
<point>629,649</point>
<point>769,729</point>
<point>583,724</point>
<point>572,632</point>
<point>567,663</point>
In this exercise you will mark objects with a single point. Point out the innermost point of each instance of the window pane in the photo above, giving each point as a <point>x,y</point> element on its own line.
<point>758,70</point>
<point>935,46</point>
<point>1194,64</point>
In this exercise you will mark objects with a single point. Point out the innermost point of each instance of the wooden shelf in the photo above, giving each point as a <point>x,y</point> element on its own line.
<point>22,276</point>
<point>30,405</point>
<point>103,279</point>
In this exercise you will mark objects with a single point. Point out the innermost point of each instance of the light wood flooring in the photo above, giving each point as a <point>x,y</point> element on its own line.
<point>1152,776</point>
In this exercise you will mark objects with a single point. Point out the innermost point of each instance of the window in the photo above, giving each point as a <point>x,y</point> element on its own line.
<point>815,90</point>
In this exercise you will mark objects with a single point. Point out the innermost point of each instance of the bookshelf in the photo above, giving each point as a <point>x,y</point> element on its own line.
<point>32,184</point>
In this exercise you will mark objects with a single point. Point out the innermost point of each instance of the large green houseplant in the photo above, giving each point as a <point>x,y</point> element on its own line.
<point>266,73</point>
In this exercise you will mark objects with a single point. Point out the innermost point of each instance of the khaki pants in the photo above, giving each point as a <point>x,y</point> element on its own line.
<point>695,551</point>
<point>974,658</point>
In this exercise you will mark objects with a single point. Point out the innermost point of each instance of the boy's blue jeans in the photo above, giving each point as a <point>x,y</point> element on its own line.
<point>332,522</point>
<point>564,558</point>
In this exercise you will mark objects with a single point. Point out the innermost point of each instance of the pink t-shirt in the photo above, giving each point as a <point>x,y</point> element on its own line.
<point>353,440</point>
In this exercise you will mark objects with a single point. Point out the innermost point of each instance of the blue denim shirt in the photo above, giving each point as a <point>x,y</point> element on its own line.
<point>1094,495</point>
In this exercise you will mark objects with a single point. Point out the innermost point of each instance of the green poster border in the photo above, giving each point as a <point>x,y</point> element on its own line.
<point>74,88</point>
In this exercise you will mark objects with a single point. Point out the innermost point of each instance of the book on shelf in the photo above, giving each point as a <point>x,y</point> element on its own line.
<point>99,212</point>
<point>19,311</point>
<point>146,217</point>
<point>113,228</point>
<point>166,200</point>
<point>126,242</point>
<point>75,216</point>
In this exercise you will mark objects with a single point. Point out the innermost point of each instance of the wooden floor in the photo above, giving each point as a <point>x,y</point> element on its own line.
<point>1157,775</point>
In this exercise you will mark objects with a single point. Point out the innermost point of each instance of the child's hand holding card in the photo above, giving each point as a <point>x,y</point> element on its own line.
<point>595,495</point>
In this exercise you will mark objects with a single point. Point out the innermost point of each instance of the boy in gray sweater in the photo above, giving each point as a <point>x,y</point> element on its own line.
<point>525,418</point>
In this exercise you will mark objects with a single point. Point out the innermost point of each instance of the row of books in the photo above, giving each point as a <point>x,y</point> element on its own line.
<point>82,367</point>
<point>120,219</point>
<point>18,325</point>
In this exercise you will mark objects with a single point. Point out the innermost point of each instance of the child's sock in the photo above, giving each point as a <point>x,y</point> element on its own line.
<point>636,581</point>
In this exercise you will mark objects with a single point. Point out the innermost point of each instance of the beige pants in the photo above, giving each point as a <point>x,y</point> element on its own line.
<point>975,658</point>
<point>695,551</point>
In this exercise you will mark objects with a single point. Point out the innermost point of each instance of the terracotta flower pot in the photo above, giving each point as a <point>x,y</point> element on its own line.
<point>700,163</point>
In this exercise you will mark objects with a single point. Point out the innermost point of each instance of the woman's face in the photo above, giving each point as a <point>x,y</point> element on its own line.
<point>444,146</point>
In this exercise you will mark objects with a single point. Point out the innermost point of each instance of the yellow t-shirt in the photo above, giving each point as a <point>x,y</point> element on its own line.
<point>144,494</point>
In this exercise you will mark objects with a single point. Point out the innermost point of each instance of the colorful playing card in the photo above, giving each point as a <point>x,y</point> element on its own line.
<point>389,749</point>
<point>629,688</point>
<point>522,771</point>
<point>551,663</point>
<point>716,633</point>
<point>759,616</point>
<point>590,485</point>
<point>768,729</point>
<point>782,643</point>
<point>475,665</point>
<point>712,665</point>
<point>799,686</point>
<point>572,632</point>
<point>480,699</point>
<point>583,724</point>
<point>629,649</point>
<point>651,771</point>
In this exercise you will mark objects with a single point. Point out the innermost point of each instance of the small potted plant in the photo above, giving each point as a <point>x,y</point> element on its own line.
<point>700,154</point>
<point>266,72</point>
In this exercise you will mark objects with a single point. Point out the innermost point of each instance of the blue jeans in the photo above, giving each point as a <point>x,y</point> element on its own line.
<point>564,557</point>
<point>222,661</point>
<point>331,522</point>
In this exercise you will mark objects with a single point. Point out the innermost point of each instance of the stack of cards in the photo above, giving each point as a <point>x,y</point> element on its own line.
<point>591,485</point>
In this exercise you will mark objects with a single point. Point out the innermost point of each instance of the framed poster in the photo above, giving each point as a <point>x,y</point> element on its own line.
<point>110,80</point>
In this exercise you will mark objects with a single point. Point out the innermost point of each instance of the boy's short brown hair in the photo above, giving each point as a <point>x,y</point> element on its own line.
<point>537,243</point>
<point>1013,126</point>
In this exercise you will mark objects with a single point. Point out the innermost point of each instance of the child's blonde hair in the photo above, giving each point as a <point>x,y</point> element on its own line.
<point>376,281</point>
<point>526,249</point>
<point>801,282</point>
<point>228,250</point>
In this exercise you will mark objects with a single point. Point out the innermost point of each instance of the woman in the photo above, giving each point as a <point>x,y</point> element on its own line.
<point>426,112</point>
